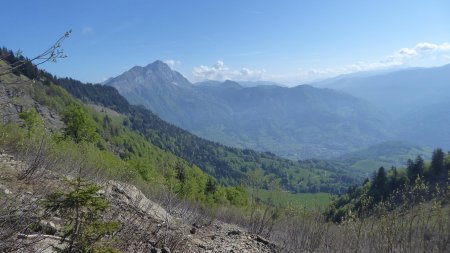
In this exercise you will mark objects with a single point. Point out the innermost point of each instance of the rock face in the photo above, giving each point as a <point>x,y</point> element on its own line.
<point>146,226</point>
<point>15,98</point>
<point>130,195</point>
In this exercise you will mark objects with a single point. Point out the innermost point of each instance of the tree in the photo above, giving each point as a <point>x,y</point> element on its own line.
<point>393,181</point>
<point>32,120</point>
<point>437,164</point>
<point>378,189</point>
<point>211,186</point>
<point>180,173</point>
<point>82,209</point>
<point>79,127</point>
<point>415,169</point>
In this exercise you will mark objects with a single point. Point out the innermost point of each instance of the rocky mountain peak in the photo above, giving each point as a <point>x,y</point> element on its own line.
<point>155,74</point>
<point>159,66</point>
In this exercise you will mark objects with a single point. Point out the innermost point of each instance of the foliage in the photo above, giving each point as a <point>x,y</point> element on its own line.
<point>79,126</point>
<point>416,225</point>
<point>387,185</point>
<point>33,122</point>
<point>82,208</point>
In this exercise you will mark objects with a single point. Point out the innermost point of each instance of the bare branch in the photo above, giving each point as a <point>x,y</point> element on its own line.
<point>52,54</point>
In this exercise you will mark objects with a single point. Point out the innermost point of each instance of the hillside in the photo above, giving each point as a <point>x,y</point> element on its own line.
<point>387,189</point>
<point>44,125</point>
<point>386,154</point>
<point>140,220</point>
<point>299,122</point>
<point>227,164</point>
<point>73,177</point>
<point>133,133</point>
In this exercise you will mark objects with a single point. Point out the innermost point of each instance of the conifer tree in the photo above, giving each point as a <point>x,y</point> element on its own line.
<point>211,186</point>
<point>82,210</point>
<point>437,165</point>
<point>378,188</point>
<point>415,169</point>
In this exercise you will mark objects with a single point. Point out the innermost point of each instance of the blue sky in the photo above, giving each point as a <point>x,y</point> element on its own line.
<point>286,41</point>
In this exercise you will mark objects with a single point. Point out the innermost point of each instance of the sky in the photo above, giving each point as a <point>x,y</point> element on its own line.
<point>287,41</point>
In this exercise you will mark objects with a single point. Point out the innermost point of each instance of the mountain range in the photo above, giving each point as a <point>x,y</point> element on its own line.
<point>416,101</point>
<point>327,119</point>
<point>397,92</point>
<point>298,122</point>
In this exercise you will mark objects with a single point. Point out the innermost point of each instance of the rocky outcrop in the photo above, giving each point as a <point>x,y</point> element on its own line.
<point>146,226</point>
<point>126,194</point>
<point>16,96</point>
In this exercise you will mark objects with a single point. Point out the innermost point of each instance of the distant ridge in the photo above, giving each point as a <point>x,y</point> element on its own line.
<point>416,99</point>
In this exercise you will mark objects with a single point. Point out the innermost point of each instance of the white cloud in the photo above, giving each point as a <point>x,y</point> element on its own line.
<point>422,54</point>
<point>430,46</point>
<point>221,72</point>
<point>424,50</point>
<point>172,63</point>
<point>87,30</point>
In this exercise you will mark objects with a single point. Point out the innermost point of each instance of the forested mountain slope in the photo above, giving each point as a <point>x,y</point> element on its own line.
<point>43,125</point>
<point>227,164</point>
